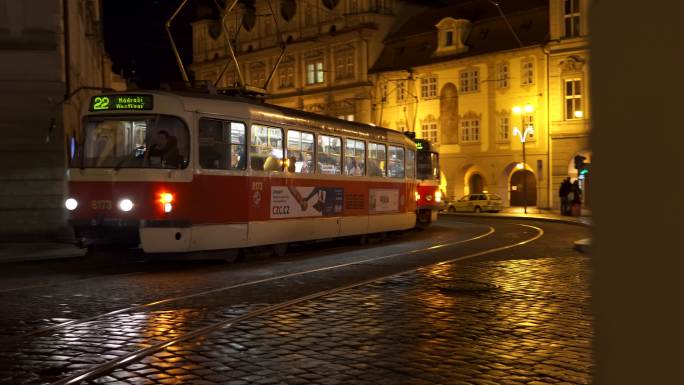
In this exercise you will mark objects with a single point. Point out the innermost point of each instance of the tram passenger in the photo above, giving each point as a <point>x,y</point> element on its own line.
<point>166,148</point>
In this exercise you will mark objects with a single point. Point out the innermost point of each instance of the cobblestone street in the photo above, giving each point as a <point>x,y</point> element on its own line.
<point>483,323</point>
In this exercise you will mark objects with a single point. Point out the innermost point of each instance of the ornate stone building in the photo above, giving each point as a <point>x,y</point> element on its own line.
<point>48,50</point>
<point>331,44</point>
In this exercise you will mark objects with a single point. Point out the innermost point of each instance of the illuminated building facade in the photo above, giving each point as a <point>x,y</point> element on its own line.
<point>331,44</point>
<point>463,74</point>
<point>465,77</point>
<point>39,68</point>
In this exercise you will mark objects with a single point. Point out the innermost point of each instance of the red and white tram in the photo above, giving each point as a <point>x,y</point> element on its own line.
<point>177,172</point>
<point>429,195</point>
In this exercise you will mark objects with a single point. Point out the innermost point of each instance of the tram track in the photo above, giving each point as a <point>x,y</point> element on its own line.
<point>169,300</point>
<point>133,357</point>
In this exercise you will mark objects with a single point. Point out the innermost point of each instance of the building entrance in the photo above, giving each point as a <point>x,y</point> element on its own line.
<point>516,188</point>
<point>476,184</point>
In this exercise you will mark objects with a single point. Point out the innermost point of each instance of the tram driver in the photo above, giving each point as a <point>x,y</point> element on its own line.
<point>166,149</point>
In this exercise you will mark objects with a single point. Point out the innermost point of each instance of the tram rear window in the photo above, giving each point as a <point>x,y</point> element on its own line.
<point>156,141</point>
<point>427,165</point>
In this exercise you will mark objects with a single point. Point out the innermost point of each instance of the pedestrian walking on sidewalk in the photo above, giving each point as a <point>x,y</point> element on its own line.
<point>563,192</point>
<point>576,202</point>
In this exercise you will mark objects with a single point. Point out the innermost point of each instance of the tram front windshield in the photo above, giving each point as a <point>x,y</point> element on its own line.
<point>427,165</point>
<point>156,141</point>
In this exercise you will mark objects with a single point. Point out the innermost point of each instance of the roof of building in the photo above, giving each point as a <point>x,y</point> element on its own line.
<point>415,42</point>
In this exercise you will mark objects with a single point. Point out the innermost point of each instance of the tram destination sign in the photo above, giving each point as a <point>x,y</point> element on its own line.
<point>121,102</point>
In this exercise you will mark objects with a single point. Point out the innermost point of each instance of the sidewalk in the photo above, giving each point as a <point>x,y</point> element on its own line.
<point>35,251</point>
<point>534,213</point>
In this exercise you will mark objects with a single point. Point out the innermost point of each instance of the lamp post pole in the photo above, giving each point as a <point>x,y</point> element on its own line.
<point>527,130</point>
<point>524,178</point>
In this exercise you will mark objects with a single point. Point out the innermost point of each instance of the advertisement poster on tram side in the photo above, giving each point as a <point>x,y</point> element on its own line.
<point>383,200</point>
<point>296,202</point>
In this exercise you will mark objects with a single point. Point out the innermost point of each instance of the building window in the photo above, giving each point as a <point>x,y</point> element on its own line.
<point>229,79</point>
<point>573,99</point>
<point>314,72</point>
<point>449,38</point>
<point>308,16</point>
<point>470,130</point>
<point>344,68</point>
<point>571,18</point>
<point>258,75</point>
<point>429,129</point>
<point>268,28</point>
<point>470,80</point>
<point>528,122</point>
<point>286,73</point>
<point>401,90</point>
<point>428,87</point>
<point>401,126</point>
<point>504,129</point>
<point>527,73</point>
<point>353,7</point>
<point>503,75</point>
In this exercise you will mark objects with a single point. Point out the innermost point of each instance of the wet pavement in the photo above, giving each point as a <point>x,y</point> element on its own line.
<point>515,318</point>
<point>505,322</point>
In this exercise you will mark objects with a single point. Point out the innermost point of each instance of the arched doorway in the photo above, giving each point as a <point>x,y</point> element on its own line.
<point>517,191</point>
<point>476,184</point>
<point>448,113</point>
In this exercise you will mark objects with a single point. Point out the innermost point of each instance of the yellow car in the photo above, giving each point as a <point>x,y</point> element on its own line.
<point>477,203</point>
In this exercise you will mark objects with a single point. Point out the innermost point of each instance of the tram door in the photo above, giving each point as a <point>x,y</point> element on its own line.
<point>517,190</point>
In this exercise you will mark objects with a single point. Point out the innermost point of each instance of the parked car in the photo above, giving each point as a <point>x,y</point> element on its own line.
<point>476,203</point>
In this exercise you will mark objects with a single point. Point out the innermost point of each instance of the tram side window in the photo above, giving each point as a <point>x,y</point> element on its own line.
<point>329,154</point>
<point>266,148</point>
<point>377,159</point>
<point>238,151</point>
<point>300,151</point>
<point>221,145</point>
<point>213,146</point>
<point>410,164</point>
<point>395,168</point>
<point>354,157</point>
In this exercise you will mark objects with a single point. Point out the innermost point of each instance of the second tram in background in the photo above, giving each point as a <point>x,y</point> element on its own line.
<point>428,193</point>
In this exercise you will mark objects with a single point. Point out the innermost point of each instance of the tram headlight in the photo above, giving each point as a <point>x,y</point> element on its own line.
<point>125,204</point>
<point>438,196</point>
<point>71,204</point>
<point>417,196</point>
<point>166,199</point>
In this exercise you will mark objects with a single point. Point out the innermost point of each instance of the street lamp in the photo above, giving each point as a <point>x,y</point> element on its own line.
<point>529,130</point>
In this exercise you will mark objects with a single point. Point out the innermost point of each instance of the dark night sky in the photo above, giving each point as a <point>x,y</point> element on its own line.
<point>136,39</point>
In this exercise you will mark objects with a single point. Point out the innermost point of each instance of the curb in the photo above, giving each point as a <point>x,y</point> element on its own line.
<point>583,245</point>
<point>518,216</point>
